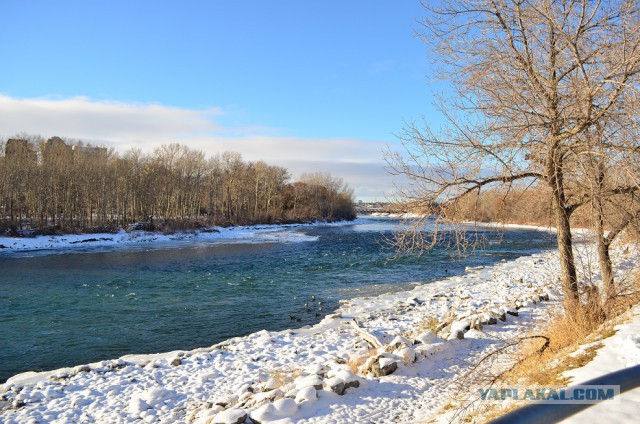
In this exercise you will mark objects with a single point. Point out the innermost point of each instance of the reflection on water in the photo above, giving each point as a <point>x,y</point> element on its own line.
<point>65,309</point>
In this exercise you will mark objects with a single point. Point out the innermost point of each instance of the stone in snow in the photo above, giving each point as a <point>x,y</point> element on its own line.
<point>499,314</point>
<point>426,338</point>
<point>407,354</point>
<point>510,311</point>
<point>461,325</point>
<point>384,366</point>
<point>285,407</point>
<point>350,379</point>
<point>400,341</point>
<point>227,400</point>
<point>430,349</point>
<point>315,369</point>
<point>456,335</point>
<point>272,384</point>
<point>310,380</point>
<point>335,385</point>
<point>280,409</point>
<point>307,394</point>
<point>264,397</point>
<point>230,416</point>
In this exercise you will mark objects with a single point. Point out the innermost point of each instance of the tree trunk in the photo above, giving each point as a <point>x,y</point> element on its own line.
<point>567,260</point>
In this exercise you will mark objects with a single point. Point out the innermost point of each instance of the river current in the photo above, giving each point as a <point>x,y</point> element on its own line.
<point>64,308</point>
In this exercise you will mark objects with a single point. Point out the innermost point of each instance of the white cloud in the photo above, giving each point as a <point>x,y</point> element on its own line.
<point>146,126</point>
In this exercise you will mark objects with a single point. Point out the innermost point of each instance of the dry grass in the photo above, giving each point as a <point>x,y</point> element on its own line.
<point>284,376</point>
<point>356,362</point>
<point>534,368</point>
<point>566,332</point>
<point>428,324</point>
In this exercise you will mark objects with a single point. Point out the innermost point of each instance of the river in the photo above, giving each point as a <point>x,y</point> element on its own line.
<point>64,308</point>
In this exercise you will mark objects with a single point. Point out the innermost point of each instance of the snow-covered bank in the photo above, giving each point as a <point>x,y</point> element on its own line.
<point>622,350</point>
<point>297,375</point>
<point>246,234</point>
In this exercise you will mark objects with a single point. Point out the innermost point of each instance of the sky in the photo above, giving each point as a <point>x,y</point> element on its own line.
<point>309,85</point>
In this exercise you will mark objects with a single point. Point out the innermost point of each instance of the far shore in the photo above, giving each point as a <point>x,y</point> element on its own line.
<point>266,233</point>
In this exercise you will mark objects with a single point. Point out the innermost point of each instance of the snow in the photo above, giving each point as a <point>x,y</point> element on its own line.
<point>249,234</point>
<point>622,350</point>
<point>223,382</point>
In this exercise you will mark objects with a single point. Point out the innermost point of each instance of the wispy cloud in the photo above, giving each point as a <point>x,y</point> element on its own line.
<point>146,126</point>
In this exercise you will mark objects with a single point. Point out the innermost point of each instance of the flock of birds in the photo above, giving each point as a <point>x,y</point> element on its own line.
<point>314,305</point>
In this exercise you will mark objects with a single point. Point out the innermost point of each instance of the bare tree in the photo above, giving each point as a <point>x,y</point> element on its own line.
<point>530,77</point>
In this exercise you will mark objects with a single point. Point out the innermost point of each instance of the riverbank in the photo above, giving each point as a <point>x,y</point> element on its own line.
<point>241,234</point>
<point>297,375</point>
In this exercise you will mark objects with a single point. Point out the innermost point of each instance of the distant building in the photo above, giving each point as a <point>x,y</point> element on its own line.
<point>56,147</point>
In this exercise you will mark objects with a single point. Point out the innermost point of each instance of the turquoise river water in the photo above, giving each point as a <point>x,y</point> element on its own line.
<point>73,307</point>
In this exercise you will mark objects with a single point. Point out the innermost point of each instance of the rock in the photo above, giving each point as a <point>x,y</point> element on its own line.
<point>464,295</point>
<point>460,325</point>
<point>285,407</point>
<point>499,314</point>
<point>544,297</point>
<point>350,379</point>
<point>227,400</point>
<point>307,394</point>
<point>310,380</point>
<point>137,405</point>
<point>81,368</point>
<point>271,384</point>
<point>512,312</point>
<point>205,416</point>
<point>316,369</point>
<point>264,397</point>
<point>442,297</point>
<point>457,334</point>
<point>176,362</point>
<point>278,410</point>
<point>384,366</point>
<point>335,385</point>
<point>245,388</point>
<point>400,341</point>
<point>230,416</point>
<point>425,338</point>
<point>263,414</point>
<point>535,298</point>
<point>476,325</point>
<point>407,354</point>
<point>429,349</point>
<point>488,319</point>
<point>414,301</point>
<point>441,326</point>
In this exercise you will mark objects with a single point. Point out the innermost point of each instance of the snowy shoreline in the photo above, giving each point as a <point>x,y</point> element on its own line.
<point>268,233</point>
<point>289,376</point>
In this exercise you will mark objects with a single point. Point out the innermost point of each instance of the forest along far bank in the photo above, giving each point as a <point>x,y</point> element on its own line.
<point>61,186</point>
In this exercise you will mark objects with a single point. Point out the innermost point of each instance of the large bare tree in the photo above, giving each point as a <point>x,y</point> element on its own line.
<point>529,78</point>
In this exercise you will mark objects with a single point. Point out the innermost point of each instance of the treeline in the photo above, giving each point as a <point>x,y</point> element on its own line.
<point>527,206</point>
<point>67,186</point>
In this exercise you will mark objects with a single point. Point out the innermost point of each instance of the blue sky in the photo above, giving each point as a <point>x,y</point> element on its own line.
<point>319,85</point>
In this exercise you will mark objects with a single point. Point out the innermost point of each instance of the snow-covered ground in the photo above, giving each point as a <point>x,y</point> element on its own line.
<point>245,234</point>
<point>305,375</point>
<point>622,350</point>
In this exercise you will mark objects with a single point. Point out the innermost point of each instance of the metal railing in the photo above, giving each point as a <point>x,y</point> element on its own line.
<point>550,412</point>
